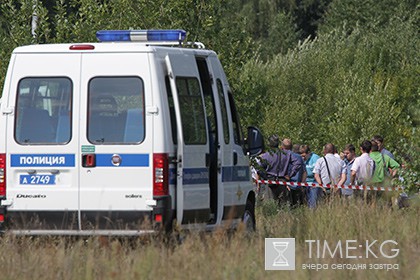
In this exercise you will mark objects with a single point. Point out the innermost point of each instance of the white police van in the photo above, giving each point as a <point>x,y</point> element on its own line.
<point>125,136</point>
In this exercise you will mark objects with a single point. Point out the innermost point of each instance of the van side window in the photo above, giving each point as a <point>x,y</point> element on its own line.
<point>171,110</point>
<point>115,110</point>
<point>43,111</point>
<point>192,111</point>
<point>237,134</point>
<point>224,111</point>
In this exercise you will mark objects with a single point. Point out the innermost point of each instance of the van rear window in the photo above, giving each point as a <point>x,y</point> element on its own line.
<point>116,110</point>
<point>43,111</point>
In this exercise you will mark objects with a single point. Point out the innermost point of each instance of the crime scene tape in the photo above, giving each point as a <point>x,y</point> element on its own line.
<point>349,187</point>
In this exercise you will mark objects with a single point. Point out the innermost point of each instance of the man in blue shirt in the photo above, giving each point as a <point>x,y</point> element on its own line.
<point>310,160</point>
<point>380,140</point>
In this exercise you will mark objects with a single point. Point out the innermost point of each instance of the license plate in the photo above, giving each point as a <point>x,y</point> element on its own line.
<point>37,179</point>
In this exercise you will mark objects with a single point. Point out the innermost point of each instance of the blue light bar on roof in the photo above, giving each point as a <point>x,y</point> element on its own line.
<point>141,35</point>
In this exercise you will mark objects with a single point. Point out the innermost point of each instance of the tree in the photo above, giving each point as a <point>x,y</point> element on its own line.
<point>344,87</point>
<point>368,14</point>
<point>215,23</point>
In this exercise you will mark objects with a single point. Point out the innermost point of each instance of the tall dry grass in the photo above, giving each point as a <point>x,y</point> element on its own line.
<point>223,255</point>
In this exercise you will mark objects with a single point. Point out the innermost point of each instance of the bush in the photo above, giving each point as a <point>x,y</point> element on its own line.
<point>342,88</point>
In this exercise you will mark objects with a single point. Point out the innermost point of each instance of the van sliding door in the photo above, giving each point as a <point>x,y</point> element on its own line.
<point>193,192</point>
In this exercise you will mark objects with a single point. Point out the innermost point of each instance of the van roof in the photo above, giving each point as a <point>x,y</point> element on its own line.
<point>108,47</point>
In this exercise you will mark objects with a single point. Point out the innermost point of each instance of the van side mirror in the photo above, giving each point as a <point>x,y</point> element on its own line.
<point>255,141</point>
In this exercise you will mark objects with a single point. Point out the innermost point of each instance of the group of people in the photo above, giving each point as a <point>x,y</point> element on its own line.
<point>286,162</point>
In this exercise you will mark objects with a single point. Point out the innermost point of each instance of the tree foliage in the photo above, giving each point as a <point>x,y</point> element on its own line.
<point>215,23</point>
<point>344,87</point>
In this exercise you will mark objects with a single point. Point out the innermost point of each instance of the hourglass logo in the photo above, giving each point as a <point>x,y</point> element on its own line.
<point>279,254</point>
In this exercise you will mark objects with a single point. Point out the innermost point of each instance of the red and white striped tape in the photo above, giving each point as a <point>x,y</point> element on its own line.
<point>349,187</point>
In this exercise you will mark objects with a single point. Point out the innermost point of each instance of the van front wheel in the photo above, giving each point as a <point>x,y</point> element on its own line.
<point>249,216</point>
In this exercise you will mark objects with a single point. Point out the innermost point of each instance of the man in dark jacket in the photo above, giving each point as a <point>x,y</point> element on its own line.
<point>297,193</point>
<point>278,165</point>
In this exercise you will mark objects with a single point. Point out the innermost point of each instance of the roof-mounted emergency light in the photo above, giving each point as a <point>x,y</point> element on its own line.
<point>177,35</point>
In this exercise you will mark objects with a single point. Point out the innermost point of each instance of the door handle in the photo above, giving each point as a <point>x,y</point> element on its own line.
<point>208,159</point>
<point>235,158</point>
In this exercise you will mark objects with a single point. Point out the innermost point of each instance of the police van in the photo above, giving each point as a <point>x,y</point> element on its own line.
<point>132,134</point>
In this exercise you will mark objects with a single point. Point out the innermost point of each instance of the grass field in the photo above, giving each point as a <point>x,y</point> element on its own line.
<point>223,255</point>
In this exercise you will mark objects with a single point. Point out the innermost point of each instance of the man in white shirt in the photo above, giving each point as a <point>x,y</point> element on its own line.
<point>330,169</point>
<point>363,166</point>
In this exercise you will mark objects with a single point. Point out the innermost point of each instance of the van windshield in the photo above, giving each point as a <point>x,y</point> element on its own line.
<point>115,110</point>
<point>43,111</point>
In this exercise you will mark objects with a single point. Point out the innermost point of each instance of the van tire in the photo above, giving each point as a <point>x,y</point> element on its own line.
<point>249,217</point>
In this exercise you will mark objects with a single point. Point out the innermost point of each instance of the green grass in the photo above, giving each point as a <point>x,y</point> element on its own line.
<point>223,255</point>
